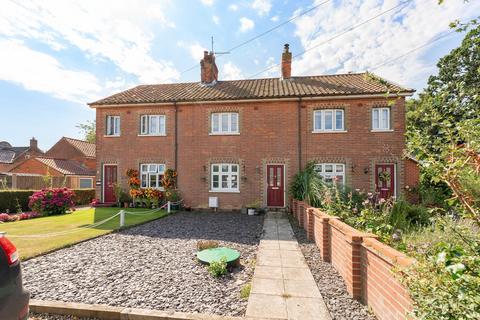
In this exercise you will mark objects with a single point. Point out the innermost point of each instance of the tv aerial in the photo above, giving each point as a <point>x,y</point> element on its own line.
<point>217,53</point>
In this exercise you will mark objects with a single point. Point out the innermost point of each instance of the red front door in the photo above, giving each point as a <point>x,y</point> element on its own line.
<point>275,186</point>
<point>109,180</point>
<point>385,180</point>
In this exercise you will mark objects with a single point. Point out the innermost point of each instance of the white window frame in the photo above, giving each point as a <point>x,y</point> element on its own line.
<point>115,131</point>
<point>217,128</point>
<point>379,126</point>
<point>320,168</point>
<point>322,113</point>
<point>80,183</point>
<point>146,121</point>
<point>217,170</point>
<point>147,170</point>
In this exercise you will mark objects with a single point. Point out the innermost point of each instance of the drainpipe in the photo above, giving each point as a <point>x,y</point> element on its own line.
<point>299,117</point>
<point>176,133</point>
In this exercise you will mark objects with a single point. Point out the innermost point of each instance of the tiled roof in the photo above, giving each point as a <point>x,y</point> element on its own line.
<point>67,167</point>
<point>311,86</point>
<point>87,148</point>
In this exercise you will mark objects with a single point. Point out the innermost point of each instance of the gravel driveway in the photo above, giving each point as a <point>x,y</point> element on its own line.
<point>151,266</point>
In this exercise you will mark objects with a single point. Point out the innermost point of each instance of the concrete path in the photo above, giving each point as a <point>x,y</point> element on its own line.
<point>283,286</point>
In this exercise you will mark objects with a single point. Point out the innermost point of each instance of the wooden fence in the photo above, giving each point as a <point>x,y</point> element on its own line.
<point>34,182</point>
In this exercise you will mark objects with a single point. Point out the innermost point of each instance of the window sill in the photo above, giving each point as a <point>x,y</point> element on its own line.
<point>381,130</point>
<point>225,134</point>
<point>151,135</point>
<point>111,136</point>
<point>333,131</point>
<point>224,191</point>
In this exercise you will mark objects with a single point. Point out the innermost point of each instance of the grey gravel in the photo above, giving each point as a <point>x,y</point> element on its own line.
<point>331,285</point>
<point>152,266</point>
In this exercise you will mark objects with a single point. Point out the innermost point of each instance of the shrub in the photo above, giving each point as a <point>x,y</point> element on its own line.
<point>52,201</point>
<point>8,199</point>
<point>206,244</point>
<point>218,268</point>
<point>4,217</point>
<point>83,196</point>
<point>306,185</point>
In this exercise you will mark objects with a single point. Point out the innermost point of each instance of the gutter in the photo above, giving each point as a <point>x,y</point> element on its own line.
<point>358,96</point>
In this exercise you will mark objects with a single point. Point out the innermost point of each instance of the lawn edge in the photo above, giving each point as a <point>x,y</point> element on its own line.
<point>97,236</point>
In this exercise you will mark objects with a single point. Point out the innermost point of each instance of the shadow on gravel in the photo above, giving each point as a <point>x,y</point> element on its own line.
<point>220,226</point>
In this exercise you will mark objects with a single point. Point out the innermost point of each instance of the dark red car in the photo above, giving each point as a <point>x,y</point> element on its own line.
<point>13,298</point>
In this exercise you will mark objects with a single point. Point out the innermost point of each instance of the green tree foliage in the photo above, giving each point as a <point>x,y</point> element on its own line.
<point>89,130</point>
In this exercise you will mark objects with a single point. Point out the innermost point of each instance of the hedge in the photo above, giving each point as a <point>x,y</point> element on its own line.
<point>8,198</point>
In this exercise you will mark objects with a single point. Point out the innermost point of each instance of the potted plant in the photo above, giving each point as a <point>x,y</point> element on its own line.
<point>253,207</point>
<point>173,195</point>
<point>125,199</point>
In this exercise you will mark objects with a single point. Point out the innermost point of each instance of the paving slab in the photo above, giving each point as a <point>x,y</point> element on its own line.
<point>283,286</point>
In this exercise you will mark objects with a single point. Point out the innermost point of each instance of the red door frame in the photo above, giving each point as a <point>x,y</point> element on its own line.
<point>276,191</point>
<point>104,184</point>
<point>384,190</point>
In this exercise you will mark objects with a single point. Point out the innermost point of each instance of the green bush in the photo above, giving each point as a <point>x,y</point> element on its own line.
<point>8,200</point>
<point>245,291</point>
<point>83,196</point>
<point>218,268</point>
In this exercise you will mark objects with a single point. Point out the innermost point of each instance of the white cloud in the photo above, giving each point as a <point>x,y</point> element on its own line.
<point>261,6</point>
<point>195,49</point>
<point>246,24</point>
<point>380,40</point>
<point>115,31</point>
<point>216,20</point>
<point>233,7</point>
<point>230,71</point>
<point>208,2</point>
<point>38,71</point>
<point>271,68</point>
<point>274,18</point>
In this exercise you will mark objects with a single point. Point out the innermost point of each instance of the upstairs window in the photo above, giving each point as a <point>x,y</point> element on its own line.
<point>331,172</point>
<point>224,123</point>
<point>328,120</point>
<point>225,177</point>
<point>151,175</point>
<point>381,119</point>
<point>152,125</point>
<point>113,126</point>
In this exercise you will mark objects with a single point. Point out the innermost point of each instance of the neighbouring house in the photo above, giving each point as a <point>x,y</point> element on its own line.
<point>12,156</point>
<point>242,141</point>
<point>72,159</point>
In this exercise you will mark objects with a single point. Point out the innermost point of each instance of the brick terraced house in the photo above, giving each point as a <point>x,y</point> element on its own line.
<point>242,141</point>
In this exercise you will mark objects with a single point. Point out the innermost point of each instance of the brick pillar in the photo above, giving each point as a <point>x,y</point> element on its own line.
<point>353,266</point>
<point>310,224</point>
<point>323,239</point>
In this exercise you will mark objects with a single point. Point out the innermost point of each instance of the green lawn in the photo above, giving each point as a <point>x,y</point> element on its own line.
<point>31,247</point>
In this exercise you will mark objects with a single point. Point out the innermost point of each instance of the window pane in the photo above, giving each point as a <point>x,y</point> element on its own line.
<point>153,181</point>
<point>215,168</point>
<point>339,179</point>
<point>117,125</point>
<point>234,168</point>
<point>339,120</point>
<point>215,181</point>
<point>385,124</point>
<point>270,182</point>
<point>224,182</point>
<point>86,183</point>
<point>318,120</point>
<point>144,168</point>
<point>144,181</point>
<point>375,119</point>
<point>224,167</point>
<point>161,168</point>
<point>153,124</point>
<point>339,168</point>
<point>318,168</point>
<point>234,181</point>
<point>279,177</point>
<point>215,122</point>
<point>328,168</point>
<point>234,122</point>
<point>328,120</point>
<point>152,168</point>
<point>161,127</point>
<point>224,122</point>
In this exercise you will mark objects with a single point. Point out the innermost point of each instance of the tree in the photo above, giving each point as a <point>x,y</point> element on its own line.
<point>443,129</point>
<point>88,130</point>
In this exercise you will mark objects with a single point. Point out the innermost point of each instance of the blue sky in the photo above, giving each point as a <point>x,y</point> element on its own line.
<point>55,56</point>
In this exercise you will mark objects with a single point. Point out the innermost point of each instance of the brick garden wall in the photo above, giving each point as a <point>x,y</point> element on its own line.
<point>364,263</point>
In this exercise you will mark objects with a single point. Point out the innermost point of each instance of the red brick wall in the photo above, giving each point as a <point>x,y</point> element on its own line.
<point>268,134</point>
<point>364,263</point>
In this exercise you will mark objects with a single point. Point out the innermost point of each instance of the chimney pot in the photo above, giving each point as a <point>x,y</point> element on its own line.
<point>286,62</point>
<point>33,143</point>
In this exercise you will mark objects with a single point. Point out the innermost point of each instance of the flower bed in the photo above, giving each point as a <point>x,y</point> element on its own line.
<point>5,217</point>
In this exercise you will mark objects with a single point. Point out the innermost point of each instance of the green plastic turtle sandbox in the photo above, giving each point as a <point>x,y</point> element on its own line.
<point>207,256</point>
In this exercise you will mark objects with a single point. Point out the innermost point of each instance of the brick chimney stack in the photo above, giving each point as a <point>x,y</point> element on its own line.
<point>286,62</point>
<point>209,70</point>
<point>33,143</point>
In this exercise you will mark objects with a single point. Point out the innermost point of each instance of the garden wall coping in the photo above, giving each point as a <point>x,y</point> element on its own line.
<point>388,253</point>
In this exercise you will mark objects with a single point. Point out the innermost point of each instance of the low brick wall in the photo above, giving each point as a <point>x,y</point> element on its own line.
<point>365,263</point>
